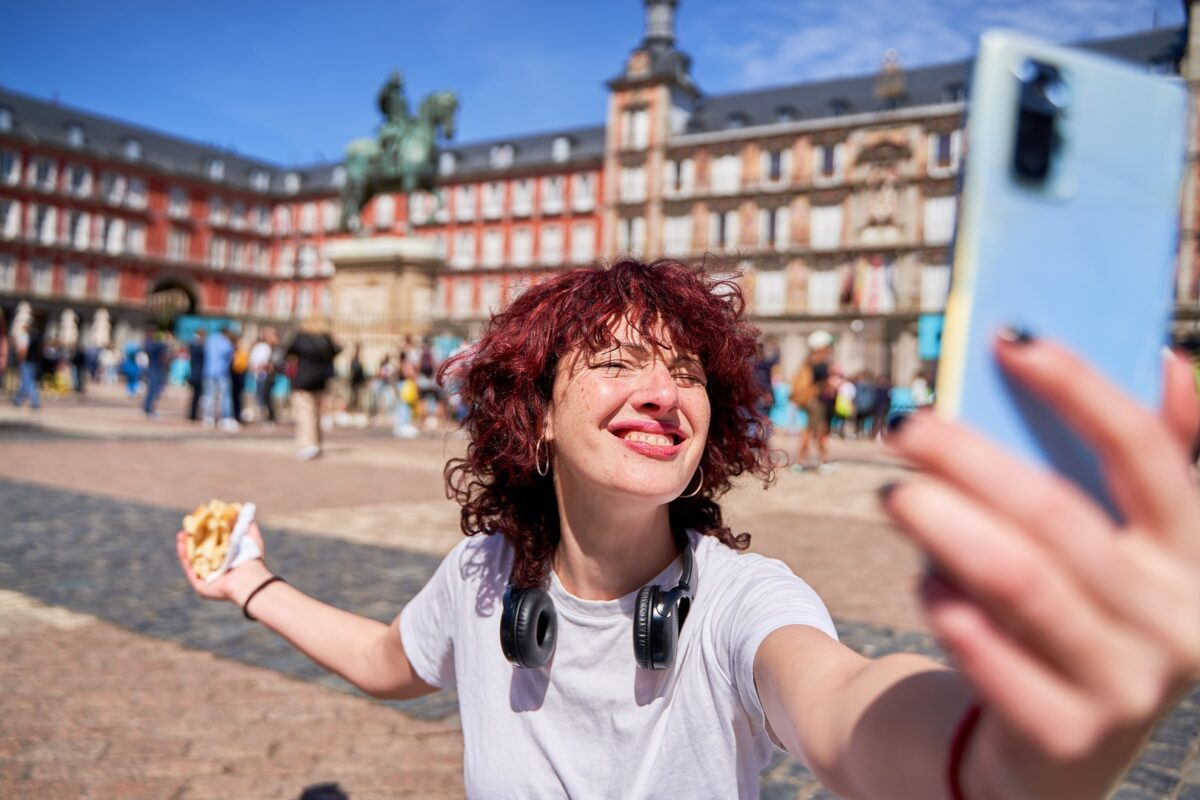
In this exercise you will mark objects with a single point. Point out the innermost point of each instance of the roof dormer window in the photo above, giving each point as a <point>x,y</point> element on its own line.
<point>260,180</point>
<point>291,182</point>
<point>6,119</point>
<point>736,120</point>
<point>75,135</point>
<point>338,176</point>
<point>132,149</point>
<point>954,93</point>
<point>215,169</point>
<point>839,107</point>
<point>502,156</point>
<point>447,161</point>
<point>786,114</point>
<point>560,150</point>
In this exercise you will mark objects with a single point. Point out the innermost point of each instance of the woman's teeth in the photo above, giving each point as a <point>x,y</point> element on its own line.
<point>649,438</point>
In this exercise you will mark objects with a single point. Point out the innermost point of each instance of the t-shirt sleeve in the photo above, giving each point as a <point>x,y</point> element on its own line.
<point>767,597</point>
<point>430,620</point>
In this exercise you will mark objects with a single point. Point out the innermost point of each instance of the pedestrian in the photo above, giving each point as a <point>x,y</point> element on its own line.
<point>158,356</point>
<point>312,350</point>
<point>429,403</point>
<point>407,397</point>
<point>922,393</point>
<point>196,372</point>
<point>883,406</point>
<point>5,351</point>
<point>238,367</point>
<point>218,400</point>
<point>811,391</point>
<point>27,347</point>
<point>608,413</point>
<point>262,365</point>
<point>843,403</point>
<point>383,388</point>
<point>766,359</point>
<point>79,370</point>
<point>357,384</point>
<point>865,393</point>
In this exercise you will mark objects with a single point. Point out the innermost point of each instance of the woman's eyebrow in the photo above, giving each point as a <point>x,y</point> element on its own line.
<point>641,351</point>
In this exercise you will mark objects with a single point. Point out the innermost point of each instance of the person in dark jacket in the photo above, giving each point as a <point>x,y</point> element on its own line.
<point>196,373</point>
<point>312,351</point>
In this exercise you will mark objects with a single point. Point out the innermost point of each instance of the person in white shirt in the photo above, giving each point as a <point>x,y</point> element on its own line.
<point>607,638</point>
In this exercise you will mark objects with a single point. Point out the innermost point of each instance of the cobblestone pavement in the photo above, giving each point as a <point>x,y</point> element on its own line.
<point>118,683</point>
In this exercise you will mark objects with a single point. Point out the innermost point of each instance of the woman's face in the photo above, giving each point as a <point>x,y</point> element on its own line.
<point>632,419</point>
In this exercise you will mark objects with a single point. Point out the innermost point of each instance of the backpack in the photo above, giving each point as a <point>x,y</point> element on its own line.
<point>804,388</point>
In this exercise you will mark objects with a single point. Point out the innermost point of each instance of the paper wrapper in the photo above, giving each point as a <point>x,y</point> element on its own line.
<point>241,547</point>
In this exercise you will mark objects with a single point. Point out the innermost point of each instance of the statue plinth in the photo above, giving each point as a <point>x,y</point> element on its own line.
<point>382,293</point>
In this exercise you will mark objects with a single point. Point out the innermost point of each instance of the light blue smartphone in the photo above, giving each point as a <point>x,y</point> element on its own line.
<point>1068,227</point>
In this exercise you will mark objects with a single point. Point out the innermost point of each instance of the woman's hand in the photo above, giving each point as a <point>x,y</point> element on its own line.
<point>236,584</point>
<point>1076,632</point>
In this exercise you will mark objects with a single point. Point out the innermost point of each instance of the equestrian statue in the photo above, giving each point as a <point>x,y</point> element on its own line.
<point>403,157</point>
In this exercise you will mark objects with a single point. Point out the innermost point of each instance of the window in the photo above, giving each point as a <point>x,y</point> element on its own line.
<point>583,191</point>
<point>944,152</point>
<point>10,218</point>
<point>776,166</point>
<point>132,149</point>
<point>823,290</point>
<point>677,235</point>
<point>215,169</point>
<point>939,219</point>
<point>827,162</point>
<point>773,227</point>
<point>631,235</point>
<point>419,207</point>
<point>108,285</point>
<point>839,107</point>
<point>522,247</point>
<point>178,204</point>
<point>42,174</point>
<point>825,227</point>
<point>583,243</point>
<point>135,239</point>
<point>786,114</point>
<point>112,187</point>
<point>75,137</point>
<point>260,302</point>
<point>635,129</point>
<point>736,120</point>
<point>237,215</point>
<point>517,286</point>
<point>633,184</point>
<point>282,301</point>
<point>770,291</point>
<point>727,174</point>
<point>447,161</point>
<point>501,156</point>
<point>679,177</point>
<point>489,296</point>
<point>560,149</point>
<point>78,229</point>
<point>331,212</point>
<point>76,280</point>
<point>306,262</point>
<point>10,167</point>
<point>724,230</point>
<point>6,119</point>
<point>283,220</point>
<point>79,180</point>
<point>291,182</point>
<point>493,200</point>
<point>552,245</point>
<point>441,206</point>
<point>935,286</point>
<point>8,273</point>
<point>136,197</point>
<point>43,277</point>
<point>45,221</point>
<point>385,214</point>
<point>179,245</point>
<point>260,180</point>
<point>552,194</point>
<point>954,93</point>
<point>258,259</point>
<point>218,212</point>
<point>522,203</point>
<point>261,217</point>
<point>464,250</point>
<point>218,252</point>
<point>462,297</point>
<point>493,248</point>
<point>286,265</point>
<point>304,302</point>
<point>464,203</point>
<point>237,255</point>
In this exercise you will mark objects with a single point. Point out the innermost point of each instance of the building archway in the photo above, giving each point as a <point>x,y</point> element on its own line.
<point>171,297</point>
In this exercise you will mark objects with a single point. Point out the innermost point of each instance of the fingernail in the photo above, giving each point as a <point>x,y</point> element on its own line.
<point>1015,334</point>
<point>886,490</point>
<point>895,423</point>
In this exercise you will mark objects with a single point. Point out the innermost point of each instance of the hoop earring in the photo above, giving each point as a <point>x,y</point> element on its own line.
<point>695,491</point>
<point>537,458</point>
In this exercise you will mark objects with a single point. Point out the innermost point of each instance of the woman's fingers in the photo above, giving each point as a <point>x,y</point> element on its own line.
<point>1180,406</point>
<point>199,585</point>
<point>1149,479</point>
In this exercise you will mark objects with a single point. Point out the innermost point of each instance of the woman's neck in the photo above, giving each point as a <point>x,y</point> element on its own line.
<point>609,547</point>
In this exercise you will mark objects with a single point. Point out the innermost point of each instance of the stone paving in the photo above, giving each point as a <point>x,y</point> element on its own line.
<point>118,683</point>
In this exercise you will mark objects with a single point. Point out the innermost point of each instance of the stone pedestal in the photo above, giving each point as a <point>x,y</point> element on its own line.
<point>382,293</point>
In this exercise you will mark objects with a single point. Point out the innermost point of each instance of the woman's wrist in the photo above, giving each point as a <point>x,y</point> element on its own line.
<point>245,579</point>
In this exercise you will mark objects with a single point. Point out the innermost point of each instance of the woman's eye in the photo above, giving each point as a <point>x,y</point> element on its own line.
<point>688,379</point>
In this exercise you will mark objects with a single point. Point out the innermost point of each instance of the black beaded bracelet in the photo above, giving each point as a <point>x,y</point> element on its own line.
<point>259,588</point>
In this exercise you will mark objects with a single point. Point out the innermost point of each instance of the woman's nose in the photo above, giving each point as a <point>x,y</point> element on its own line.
<point>656,388</point>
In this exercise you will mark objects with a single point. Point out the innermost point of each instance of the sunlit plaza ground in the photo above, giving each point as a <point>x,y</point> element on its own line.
<point>118,683</point>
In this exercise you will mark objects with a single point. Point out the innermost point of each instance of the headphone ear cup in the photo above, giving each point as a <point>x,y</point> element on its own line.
<point>528,627</point>
<point>643,636</point>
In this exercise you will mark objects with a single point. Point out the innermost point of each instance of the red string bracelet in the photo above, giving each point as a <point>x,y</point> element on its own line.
<point>958,749</point>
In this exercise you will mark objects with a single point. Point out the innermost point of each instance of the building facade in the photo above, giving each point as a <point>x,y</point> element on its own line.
<point>833,202</point>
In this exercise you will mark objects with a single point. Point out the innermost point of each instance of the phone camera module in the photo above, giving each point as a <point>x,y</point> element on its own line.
<point>1041,100</point>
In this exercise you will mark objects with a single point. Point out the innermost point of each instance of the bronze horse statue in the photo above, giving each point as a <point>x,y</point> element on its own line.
<point>404,156</point>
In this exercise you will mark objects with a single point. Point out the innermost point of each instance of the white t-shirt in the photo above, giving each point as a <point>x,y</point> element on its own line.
<point>260,356</point>
<point>590,723</point>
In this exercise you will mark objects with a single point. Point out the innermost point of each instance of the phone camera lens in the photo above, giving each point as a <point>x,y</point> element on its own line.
<point>1041,99</point>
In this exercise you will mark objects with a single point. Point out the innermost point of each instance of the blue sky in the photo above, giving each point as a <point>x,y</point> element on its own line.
<point>293,82</point>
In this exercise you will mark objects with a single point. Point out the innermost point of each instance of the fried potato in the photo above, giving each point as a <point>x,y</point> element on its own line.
<point>209,528</point>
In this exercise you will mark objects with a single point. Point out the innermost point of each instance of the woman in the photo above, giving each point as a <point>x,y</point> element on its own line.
<point>312,351</point>
<point>609,409</point>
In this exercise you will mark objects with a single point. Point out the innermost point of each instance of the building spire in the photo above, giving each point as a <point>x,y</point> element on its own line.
<point>660,23</point>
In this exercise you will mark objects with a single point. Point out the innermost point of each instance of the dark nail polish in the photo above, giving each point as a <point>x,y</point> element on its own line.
<point>895,423</point>
<point>886,490</point>
<point>1015,334</point>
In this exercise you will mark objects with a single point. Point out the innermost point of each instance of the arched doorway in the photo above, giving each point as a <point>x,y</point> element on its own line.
<point>169,298</point>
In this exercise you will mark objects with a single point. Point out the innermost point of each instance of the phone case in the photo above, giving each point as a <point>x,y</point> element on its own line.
<point>1086,260</point>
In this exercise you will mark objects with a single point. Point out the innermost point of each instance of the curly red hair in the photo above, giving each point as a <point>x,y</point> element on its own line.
<point>505,381</point>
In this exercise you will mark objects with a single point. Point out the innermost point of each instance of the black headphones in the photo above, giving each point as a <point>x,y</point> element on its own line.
<point>528,626</point>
